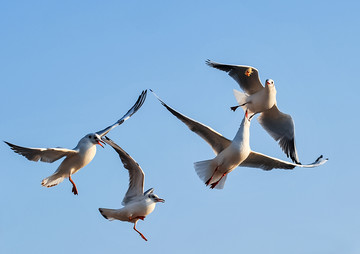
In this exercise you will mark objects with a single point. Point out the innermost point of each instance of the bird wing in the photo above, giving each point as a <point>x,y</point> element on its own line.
<point>246,76</point>
<point>43,154</point>
<point>136,175</point>
<point>213,138</point>
<point>140,101</point>
<point>258,160</point>
<point>281,127</point>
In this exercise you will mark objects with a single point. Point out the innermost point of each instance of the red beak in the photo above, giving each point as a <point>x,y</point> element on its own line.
<point>101,142</point>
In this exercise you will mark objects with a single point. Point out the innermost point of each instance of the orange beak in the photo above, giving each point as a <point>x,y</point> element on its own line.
<point>100,143</point>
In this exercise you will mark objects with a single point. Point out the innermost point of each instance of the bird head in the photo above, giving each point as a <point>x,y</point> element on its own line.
<point>269,82</point>
<point>150,194</point>
<point>95,139</point>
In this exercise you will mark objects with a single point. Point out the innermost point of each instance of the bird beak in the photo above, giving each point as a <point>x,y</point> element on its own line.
<point>100,143</point>
<point>160,200</point>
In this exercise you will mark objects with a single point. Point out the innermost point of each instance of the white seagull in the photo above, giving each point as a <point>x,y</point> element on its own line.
<point>260,99</point>
<point>230,154</point>
<point>137,204</point>
<point>76,158</point>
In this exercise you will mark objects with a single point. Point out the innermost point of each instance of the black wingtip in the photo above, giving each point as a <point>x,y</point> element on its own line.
<point>209,63</point>
<point>102,214</point>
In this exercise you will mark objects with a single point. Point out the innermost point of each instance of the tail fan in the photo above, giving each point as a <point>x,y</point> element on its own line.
<point>108,214</point>
<point>241,98</point>
<point>52,180</point>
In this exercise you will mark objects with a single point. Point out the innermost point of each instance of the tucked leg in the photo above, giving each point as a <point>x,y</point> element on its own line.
<point>208,181</point>
<point>213,185</point>
<point>74,189</point>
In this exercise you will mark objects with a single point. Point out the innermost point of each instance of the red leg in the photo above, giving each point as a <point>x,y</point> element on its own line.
<point>208,181</point>
<point>143,237</point>
<point>74,189</point>
<point>213,185</point>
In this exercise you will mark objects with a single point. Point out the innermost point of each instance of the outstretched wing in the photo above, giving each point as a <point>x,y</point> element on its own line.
<point>281,127</point>
<point>136,175</point>
<point>246,76</point>
<point>258,160</point>
<point>140,101</point>
<point>213,138</point>
<point>42,154</point>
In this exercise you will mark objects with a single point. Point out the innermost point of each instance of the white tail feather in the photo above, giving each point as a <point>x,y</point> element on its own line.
<point>204,169</point>
<point>240,98</point>
<point>221,184</point>
<point>109,214</point>
<point>52,180</point>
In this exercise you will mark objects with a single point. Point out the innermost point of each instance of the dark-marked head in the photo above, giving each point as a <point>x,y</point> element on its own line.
<point>150,194</point>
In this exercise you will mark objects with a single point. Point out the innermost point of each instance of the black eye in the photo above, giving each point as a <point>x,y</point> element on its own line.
<point>89,136</point>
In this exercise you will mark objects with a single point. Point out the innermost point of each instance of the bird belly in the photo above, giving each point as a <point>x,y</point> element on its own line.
<point>138,209</point>
<point>261,101</point>
<point>230,158</point>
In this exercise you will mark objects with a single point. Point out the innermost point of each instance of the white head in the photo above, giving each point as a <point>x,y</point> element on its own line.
<point>269,82</point>
<point>149,193</point>
<point>93,138</point>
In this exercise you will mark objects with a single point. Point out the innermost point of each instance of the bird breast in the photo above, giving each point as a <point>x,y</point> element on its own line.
<point>140,208</point>
<point>262,100</point>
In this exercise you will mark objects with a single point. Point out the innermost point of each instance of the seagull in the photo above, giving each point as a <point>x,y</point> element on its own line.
<point>260,99</point>
<point>76,158</point>
<point>231,153</point>
<point>137,204</point>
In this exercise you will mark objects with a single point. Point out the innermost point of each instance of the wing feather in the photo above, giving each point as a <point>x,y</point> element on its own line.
<point>281,127</point>
<point>136,174</point>
<point>258,160</point>
<point>43,154</point>
<point>213,138</point>
<point>140,101</point>
<point>246,76</point>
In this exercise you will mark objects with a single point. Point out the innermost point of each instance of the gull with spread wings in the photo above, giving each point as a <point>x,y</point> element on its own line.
<point>231,153</point>
<point>76,158</point>
<point>137,204</point>
<point>260,99</point>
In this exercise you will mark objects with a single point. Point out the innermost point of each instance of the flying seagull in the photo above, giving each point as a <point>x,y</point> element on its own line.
<point>260,99</point>
<point>137,204</point>
<point>76,158</point>
<point>231,153</point>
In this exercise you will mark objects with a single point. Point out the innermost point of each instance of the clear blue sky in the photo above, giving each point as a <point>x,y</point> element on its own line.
<point>68,68</point>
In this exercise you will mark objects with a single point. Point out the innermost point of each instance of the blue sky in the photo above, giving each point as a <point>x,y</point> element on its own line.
<point>69,68</point>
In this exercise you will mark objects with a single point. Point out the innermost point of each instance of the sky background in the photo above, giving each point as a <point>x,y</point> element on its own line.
<point>68,68</point>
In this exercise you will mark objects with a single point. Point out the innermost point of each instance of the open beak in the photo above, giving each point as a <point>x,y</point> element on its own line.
<point>100,143</point>
<point>160,200</point>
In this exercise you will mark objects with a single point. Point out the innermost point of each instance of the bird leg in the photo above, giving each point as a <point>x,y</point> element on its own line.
<point>74,189</point>
<point>213,185</point>
<point>235,107</point>
<point>251,116</point>
<point>143,237</point>
<point>208,181</point>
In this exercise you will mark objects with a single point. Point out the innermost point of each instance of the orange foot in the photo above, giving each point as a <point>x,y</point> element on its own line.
<point>74,189</point>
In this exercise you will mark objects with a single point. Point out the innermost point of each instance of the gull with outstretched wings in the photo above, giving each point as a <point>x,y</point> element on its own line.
<point>76,158</point>
<point>231,153</point>
<point>262,99</point>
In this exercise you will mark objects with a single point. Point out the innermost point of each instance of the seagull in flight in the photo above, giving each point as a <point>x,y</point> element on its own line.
<point>76,158</point>
<point>137,204</point>
<point>260,99</point>
<point>231,153</point>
